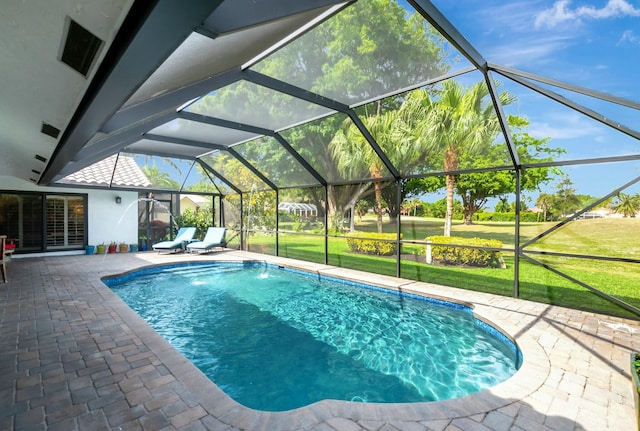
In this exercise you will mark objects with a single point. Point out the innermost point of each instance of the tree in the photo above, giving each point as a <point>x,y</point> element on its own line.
<point>565,200</point>
<point>351,152</point>
<point>345,59</point>
<point>411,207</point>
<point>438,209</point>
<point>476,188</point>
<point>461,120</point>
<point>503,205</point>
<point>626,204</point>
<point>160,179</point>
<point>361,208</point>
<point>545,203</point>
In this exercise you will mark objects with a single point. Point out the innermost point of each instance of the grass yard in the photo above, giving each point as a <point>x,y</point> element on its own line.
<point>599,237</point>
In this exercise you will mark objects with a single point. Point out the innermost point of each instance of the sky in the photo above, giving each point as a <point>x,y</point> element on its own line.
<point>587,43</point>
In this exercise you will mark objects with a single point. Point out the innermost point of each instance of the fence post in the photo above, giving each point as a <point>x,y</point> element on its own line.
<point>428,252</point>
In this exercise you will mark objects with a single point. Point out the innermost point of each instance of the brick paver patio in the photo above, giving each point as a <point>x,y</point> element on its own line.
<point>73,356</point>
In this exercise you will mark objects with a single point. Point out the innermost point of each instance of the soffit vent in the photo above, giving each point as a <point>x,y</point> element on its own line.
<point>80,47</point>
<point>49,130</point>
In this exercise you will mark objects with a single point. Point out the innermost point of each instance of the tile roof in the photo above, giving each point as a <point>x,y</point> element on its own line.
<point>127,174</point>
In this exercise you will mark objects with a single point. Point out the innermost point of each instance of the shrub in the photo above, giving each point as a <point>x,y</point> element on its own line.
<point>452,255</point>
<point>286,216</point>
<point>525,216</point>
<point>379,244</point>
<point>201,220</point>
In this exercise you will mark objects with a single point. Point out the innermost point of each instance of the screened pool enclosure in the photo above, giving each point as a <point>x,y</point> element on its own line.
<point>375,135</point>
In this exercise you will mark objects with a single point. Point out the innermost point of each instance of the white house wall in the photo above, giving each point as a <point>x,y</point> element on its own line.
<point>109,221</point>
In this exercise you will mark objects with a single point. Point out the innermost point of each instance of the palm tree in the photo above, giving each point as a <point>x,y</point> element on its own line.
<point>398,133</point>
<point>401,135</point>
<point>627,205</point>
<point>354,156</point>
<point>159,178</point>
<point>460,120</point>
<point>544,203</point>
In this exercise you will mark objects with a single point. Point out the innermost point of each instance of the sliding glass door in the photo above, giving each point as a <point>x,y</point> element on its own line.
<point>65,222</point>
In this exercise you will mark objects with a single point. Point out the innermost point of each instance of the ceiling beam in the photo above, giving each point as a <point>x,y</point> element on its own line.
<point>573,105</point>
<point>169,100</point>
<point>502,119</point>
<point>293,91</point>
<point>149,34</point>
<point>227,18</point>
<point>187,142</point>
<point>560,84</point>
<point>111,145</point>
<point>258,131</point>
<point>217,174</point>
<point>219,122</point>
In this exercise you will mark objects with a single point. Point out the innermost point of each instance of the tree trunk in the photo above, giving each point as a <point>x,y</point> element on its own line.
<point>377,189</point>
<point>450,164</point>
<point>468,217</point>
<point>389,194</point>
<point>470,206</point>
<point>448,217</point>
<point>344,198</point>
<point>352,219</point>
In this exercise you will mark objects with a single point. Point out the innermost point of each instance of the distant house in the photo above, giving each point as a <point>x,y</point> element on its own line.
<point>598,213</point>
<point>193,202</point>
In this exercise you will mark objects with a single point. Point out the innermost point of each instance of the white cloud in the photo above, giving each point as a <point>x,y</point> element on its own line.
<point>502,19</point>
<point>527,51</point>
<point>561,12</point>
<point>629,36</point>
<point>564,125</point>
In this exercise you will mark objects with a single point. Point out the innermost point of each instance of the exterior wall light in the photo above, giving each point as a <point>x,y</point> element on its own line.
<point>118,200</point>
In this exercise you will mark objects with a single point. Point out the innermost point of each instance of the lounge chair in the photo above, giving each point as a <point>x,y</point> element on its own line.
<point>184,236</point>
<point>213,238</point>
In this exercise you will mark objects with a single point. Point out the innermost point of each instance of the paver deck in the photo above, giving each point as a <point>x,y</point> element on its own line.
<point>73,356</point>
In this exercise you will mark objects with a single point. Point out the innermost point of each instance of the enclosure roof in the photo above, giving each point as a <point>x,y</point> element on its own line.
<point>241,94</point>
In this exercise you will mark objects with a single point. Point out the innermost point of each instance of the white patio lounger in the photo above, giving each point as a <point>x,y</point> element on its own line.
<point>213,238</point>
<point>185,235</point>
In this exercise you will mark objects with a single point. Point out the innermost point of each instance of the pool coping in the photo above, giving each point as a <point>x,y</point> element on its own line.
<point>529,378</point>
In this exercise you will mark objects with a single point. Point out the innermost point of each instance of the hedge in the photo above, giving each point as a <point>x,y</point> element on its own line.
<point>466,256</point>
<point>525,216</point>
<point>379,244</point>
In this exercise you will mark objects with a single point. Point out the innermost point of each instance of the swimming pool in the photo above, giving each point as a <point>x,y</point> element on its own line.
<point>276,339</point>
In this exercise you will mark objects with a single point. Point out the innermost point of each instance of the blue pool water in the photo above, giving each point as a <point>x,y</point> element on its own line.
<point>276,339</point>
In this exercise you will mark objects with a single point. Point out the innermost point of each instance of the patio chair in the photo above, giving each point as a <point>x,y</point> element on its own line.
<point>184,236</point>
<point>3,257</point>
<point>213,238</point>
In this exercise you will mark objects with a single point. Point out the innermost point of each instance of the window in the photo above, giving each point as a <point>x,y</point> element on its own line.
<point>21,220</point>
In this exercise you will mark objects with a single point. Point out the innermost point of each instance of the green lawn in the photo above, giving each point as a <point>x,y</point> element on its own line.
<point>600,237</point>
